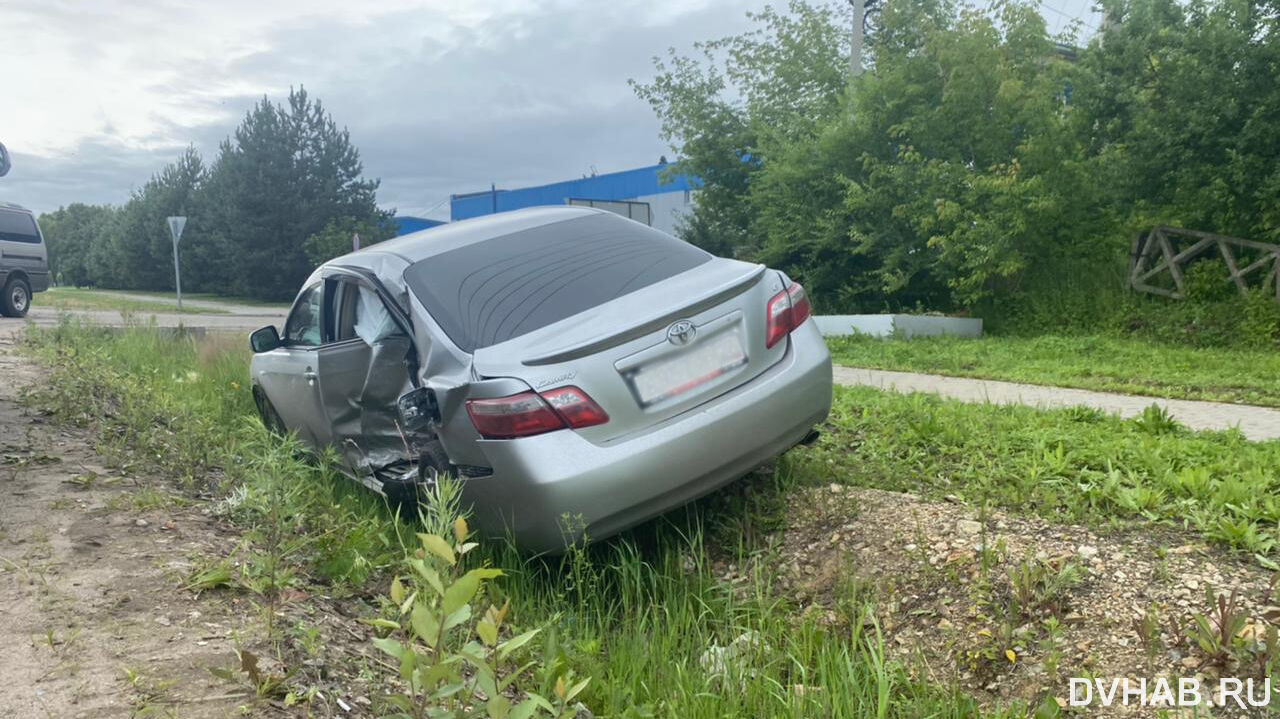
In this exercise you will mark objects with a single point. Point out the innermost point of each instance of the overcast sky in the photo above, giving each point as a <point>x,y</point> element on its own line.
<point>441,96</point>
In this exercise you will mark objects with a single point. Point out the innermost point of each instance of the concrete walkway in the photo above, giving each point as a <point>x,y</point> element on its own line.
<point>1257,423</point>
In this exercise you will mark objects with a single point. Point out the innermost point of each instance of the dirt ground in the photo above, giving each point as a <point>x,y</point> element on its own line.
<point>95,623</point>
<point>94,617</point>
<point>951,606</point>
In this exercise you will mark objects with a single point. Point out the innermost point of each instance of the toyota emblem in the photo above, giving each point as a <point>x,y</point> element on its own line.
<point>681,333</point>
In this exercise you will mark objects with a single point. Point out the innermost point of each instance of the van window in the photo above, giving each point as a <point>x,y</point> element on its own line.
<point>18,227</point>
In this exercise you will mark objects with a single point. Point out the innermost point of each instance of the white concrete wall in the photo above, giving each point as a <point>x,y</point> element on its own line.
<point>901,325</point>
<point>667,208</point>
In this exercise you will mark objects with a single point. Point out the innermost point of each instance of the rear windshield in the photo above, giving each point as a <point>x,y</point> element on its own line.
<point>17,227</point>
<point>491,291</point>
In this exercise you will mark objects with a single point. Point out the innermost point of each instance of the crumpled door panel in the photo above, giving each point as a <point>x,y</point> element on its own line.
<point>360,391</point>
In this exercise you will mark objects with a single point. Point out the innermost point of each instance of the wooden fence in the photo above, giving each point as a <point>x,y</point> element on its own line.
<point>1174,248</point>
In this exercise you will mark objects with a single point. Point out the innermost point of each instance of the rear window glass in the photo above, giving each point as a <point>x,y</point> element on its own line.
<point>17,227</point>
<point>494,290</point>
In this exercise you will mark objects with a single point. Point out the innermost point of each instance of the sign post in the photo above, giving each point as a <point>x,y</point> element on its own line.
<point>175,228</point>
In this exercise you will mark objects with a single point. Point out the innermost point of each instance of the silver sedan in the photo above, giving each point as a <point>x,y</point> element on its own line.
<point>578,371</point>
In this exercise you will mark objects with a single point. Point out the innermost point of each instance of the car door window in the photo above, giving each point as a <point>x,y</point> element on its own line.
<point>303,328</point>
<point>342,308</point>
<point>361,313</point>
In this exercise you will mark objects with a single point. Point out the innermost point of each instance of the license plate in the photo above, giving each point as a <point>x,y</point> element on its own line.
<point>679,373</point>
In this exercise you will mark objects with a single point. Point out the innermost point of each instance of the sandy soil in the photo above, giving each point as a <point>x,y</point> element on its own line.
<point>95,623</point>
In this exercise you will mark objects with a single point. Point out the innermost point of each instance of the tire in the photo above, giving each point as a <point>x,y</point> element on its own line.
<point>267,413</point>
<point>433,462</point>
<point>16,299</point>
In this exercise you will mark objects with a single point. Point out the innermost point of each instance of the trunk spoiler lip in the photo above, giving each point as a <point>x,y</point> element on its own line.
<point>707,301</point>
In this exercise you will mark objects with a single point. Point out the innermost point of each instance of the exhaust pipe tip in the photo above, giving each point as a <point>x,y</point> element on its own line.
<point>810,438</point>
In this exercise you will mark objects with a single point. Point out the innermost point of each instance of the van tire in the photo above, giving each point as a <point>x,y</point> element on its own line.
<point>17,298</point>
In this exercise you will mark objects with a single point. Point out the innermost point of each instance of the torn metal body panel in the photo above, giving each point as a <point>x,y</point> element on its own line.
<point>572,363</point>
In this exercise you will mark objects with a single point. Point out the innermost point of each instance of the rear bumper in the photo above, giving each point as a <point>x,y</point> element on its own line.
<point>542,486</point>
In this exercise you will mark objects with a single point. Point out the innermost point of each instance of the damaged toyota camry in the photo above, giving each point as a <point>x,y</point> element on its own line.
<point>562,362</point>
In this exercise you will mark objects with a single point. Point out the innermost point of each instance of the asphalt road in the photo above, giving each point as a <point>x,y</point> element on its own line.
<point>237,317</point>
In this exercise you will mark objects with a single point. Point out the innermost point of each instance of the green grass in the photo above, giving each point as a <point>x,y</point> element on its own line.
<point>75,298</point>
<point>211,297</point>
<point>635,614</point>
<point>1070,465</point>
<point>1090,362</point>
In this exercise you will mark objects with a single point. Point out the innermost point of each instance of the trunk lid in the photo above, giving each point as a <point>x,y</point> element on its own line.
<point>654,353</point>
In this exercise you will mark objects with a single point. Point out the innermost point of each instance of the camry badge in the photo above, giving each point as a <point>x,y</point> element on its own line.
<point>681,333</point>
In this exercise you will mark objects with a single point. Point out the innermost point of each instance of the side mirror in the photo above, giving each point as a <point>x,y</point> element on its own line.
<point>418,409</point>
<point>4,161</point>
<point>264,339</point>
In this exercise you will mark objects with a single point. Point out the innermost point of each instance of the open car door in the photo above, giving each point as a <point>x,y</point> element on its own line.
<point>362,374</point>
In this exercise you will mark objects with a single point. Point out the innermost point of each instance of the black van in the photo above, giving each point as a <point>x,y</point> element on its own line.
<point>24,261</point>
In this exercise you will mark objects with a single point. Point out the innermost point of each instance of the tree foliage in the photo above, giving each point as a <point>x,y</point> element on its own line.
<point>287,174</point>
<point>69,233</point>
<point>335,239</point>
<point>977,158</point>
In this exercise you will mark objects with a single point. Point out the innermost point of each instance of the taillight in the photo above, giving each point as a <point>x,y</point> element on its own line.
<point>577,409</point>
<point>786,311</point>
<point>530,413</point>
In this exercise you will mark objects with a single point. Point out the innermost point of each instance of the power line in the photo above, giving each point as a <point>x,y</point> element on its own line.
<point>1068,16</point>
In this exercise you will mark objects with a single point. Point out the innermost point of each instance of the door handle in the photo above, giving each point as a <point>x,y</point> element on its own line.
<point>310,374</point>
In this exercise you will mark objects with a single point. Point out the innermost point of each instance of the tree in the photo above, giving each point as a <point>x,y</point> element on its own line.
<point>721,108</point>
<point>138,252</point>
<point>70,234</point>
<point>937,179</point>
<point>975,160</point>
<point>286,173</point>
<point>335,239</point>
<point>1184,111</point>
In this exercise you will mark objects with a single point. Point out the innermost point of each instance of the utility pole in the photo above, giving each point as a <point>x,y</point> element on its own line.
<point>855,54</point>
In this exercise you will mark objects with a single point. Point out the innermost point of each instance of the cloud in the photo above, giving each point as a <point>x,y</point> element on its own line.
<point>440,97</point>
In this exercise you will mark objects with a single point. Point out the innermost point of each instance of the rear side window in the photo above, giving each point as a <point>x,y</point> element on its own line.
<point>18,227</point>
<point>491,291</point>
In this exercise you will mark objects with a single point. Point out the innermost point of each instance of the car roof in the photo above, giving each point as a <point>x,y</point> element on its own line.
<point>421,245</point>
<point>11,206</point>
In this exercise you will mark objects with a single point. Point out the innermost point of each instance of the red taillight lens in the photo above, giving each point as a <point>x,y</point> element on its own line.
<point>528,413</point>
<point>786,311</point>
<point>519,415</point>
<point>577,409</point>
<point>799,305</point>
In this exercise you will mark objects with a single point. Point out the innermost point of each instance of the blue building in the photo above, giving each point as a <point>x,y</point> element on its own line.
<point>652,195</point>
<point>408,223</point>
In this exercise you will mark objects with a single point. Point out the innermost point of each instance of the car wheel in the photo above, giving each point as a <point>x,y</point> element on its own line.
<point>267,413</point>
<point>433,464</point>
<point>17,298</point>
